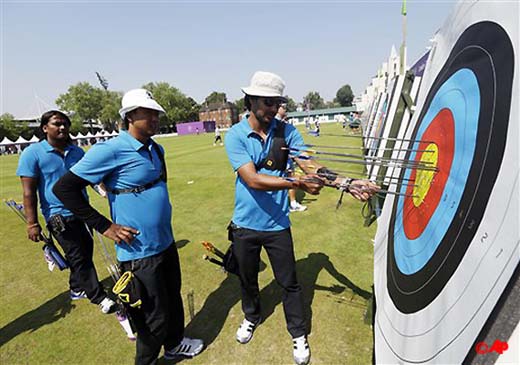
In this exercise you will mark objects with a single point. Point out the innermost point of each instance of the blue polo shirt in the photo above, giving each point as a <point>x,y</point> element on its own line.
<point>257,209</point>
<point>41,161</point>
<point>124,162</point>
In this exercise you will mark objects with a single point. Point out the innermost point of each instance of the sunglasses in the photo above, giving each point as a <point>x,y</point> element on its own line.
<point>270,102</point>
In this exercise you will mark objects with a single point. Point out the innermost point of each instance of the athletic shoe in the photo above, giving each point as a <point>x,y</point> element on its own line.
<point>297,207</point>
<point>188,347</point>
<point>245,331</point>
<point>107,305</point>
<point>77,295</point>
<point>301,350</point>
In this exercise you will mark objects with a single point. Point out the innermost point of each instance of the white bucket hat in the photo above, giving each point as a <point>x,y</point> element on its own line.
<point>138,98</point>
<point>265,84</point>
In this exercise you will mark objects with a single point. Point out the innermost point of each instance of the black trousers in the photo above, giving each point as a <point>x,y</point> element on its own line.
<point>78,247</point>
<point>279,246</point>
<point>160,319</point>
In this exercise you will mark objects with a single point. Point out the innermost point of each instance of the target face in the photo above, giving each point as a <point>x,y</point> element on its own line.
<point>464,123</point>
<point>446,247</point>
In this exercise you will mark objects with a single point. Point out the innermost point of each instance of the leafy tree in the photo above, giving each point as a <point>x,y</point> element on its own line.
<point>109,115</point>
<point>240,104</point>
<point>215,97</point>
<point>8,127</point>
<point>332,104</point>
<point>179,108</point>
<point>193,112</point>
<point>11,129</point>
<point>291,104</point>
<point>84,100</point>
<point>313,100</point>
<point>344,96</point>
<point>76,124</point>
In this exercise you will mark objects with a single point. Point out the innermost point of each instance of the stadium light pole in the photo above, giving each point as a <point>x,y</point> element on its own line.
<point>402,58</point>
<point>104,84</point>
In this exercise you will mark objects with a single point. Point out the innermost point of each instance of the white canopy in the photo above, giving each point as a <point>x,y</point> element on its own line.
<point>6,141</point>
<point>89,135</point>
<point>34,139</point>
<point>21,140</point>
<point>114,133</point>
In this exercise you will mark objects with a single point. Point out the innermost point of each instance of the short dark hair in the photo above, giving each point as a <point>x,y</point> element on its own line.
<point>126,121</point>
<point>52,113</point>
<point>247,101</point>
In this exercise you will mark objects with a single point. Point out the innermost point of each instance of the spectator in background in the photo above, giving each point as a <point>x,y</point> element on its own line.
<point>218,137</point>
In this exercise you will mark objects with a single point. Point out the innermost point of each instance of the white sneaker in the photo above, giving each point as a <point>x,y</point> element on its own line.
<point>301,350</point>
<point>297,207</point>
<point>189,347</point>
<point>245,331</point>
<point>107,305</point>
<point>77,295</point>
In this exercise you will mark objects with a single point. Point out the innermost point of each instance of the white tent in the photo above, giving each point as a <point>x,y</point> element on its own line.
<point>89,135</point>
<point>6,141</point>
<point>114,133</point>
<point>34,139</point>
<point>21,140</point>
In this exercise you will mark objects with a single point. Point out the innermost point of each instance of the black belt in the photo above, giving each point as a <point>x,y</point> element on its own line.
<point>138,189</point>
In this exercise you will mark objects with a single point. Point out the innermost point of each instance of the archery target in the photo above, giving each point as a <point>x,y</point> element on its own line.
<point>446,248</point>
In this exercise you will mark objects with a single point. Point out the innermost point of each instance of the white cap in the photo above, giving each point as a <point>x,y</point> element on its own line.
<point>138,98</point>
<point>265,84</point>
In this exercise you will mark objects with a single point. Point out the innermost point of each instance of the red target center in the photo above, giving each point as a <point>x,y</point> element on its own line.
<point>417,215</point>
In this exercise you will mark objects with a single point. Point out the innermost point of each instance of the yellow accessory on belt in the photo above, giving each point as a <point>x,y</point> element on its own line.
<point>125,289</point>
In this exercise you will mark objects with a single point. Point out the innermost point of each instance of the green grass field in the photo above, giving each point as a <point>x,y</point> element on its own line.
<point>40,325</point>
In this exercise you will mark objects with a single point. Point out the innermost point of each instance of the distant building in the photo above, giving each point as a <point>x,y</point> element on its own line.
<point>323,115</point>
<point>223,114</point>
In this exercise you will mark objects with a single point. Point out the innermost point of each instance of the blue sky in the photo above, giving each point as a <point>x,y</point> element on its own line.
<point>201,46</point>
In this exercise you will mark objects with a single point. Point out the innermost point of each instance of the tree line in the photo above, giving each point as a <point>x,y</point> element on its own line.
<point>89,104</point>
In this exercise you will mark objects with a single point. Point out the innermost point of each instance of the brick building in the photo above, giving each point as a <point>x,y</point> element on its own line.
<point>224,114</point>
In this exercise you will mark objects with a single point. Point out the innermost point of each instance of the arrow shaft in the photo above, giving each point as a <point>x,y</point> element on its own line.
<point>376,138</point>
<point>367,148</point>
<point>373,163</point>
<point>375,158</point>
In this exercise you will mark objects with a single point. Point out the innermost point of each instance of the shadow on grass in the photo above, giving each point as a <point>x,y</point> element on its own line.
<point>308,270</point>
<point>47,313</point>
<point>302,197</point>
<point>208,321</point>
<point>181,243</point>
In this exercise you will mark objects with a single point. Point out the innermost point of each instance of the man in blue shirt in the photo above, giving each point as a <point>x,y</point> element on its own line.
<point>39,167</point>
<point>133,170</point>
<point>257,149</point>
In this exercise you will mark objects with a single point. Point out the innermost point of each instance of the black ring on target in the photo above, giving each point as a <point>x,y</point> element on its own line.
<point>486,50</point>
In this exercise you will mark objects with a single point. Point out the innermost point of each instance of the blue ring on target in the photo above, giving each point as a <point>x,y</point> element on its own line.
<point>412,255</point>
